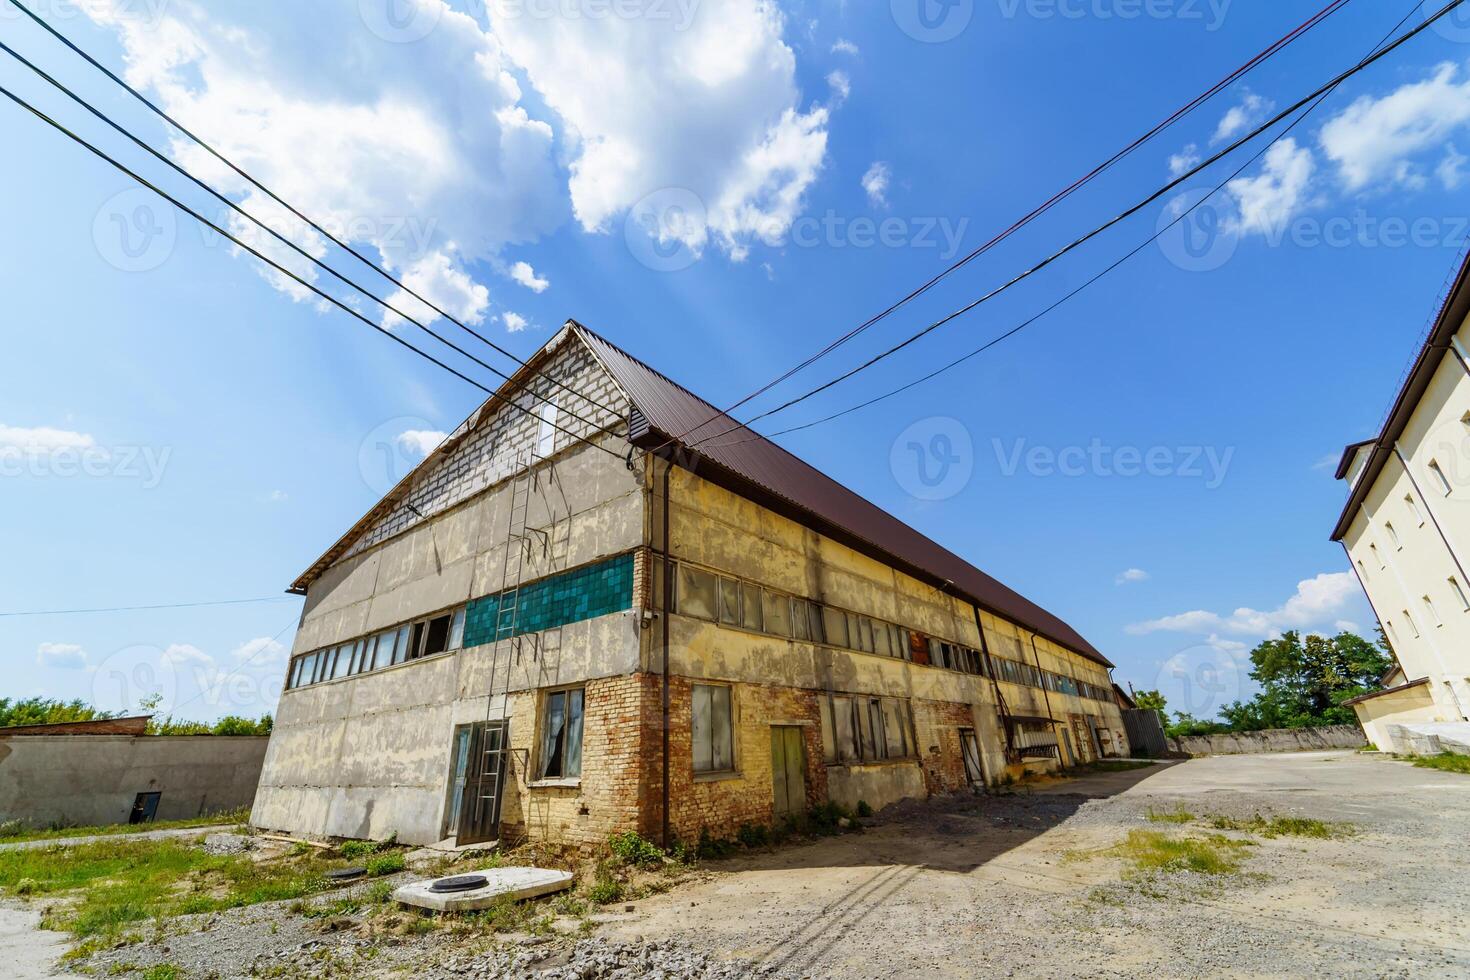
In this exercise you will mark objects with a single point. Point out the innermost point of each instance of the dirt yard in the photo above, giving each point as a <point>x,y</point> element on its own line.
<point>1324,863</point>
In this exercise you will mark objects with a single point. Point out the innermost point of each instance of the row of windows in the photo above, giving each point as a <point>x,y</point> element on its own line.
<point>1461,598</point>
<point>866,729</point>
<point>439,633</point>
<point>720,599</point>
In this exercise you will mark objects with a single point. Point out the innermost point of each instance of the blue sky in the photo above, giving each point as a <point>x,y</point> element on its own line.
<point>706,185</point>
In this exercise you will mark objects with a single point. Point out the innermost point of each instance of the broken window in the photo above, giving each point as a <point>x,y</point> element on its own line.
<point>696,593</point>
<point>561,735</point>
<point>800,625</point>
<point>835,623</point>
<point>456,630</point>
<point>865,729</point>
<point>436,636</point>
<point>713,736</point>
<point>750,608</point>
<point>729,602</point>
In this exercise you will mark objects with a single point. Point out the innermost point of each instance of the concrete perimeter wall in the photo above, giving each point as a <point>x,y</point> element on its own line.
<point>87,780</point>
<point>1271,740</point>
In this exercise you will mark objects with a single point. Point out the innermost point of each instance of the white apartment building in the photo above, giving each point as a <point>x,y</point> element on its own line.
<point>1406,531</point>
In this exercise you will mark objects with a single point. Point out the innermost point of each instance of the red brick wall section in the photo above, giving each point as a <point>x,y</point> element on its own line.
<point>719,806</point>
<point>938,724</point>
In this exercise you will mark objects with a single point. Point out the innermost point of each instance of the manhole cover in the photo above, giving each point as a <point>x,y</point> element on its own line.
<point>346,874</point>
<point>459,883</point>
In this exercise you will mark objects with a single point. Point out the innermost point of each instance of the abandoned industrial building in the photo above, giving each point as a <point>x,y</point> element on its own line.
<point>592,609</point>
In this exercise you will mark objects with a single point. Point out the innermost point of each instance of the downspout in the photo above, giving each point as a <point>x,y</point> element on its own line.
<point>668,603</point>
<point>1046,698</point>
<point>1000,702</point>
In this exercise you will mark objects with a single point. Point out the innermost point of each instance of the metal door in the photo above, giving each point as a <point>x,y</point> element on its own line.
<point>970,750</point>
<point>788,770</point>
<point>479,819</point>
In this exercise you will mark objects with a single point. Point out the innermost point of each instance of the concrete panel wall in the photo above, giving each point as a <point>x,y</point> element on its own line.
<point>876,785</point>
<point>85,780</point>
<point>1272,740</point>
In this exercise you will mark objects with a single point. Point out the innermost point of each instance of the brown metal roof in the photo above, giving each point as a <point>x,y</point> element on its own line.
<point>1454,312</point>
<point>136,725</point>
<point>749,463</point>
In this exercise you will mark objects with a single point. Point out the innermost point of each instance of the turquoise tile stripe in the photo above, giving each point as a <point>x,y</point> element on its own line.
<point>586,593</point>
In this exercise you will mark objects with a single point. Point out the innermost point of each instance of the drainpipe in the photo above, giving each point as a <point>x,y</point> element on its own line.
<point>1046,698</point>
<point>1000,702</point>
<point>668,603</point>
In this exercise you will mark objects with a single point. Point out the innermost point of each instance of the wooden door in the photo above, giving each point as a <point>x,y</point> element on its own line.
<point>479,819</point>
<point>970,750</point>
<point>788,770</point>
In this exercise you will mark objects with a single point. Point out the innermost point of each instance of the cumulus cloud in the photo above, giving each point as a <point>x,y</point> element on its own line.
<point>1131,575</point>
<point>184,654</point>
<point>420,442</point>
<point>259,651</point>
<point>840,84</point>
<point>1376,139</point>
<point>421,152</point>
<point>1184,161</point>
<point>514,322</point>
<point>875,182</point>
<point>844,46</point>
<point>1267,201</point>
<point>439,278</point>
<point>713,109</point>
<point>1251,111</point>
<point>522,273</point>
<point>62,656</point>
<point>42,440</point>
<point>1317,602</point>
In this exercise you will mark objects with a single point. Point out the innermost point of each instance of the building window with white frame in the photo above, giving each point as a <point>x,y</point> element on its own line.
<point>1460,596</point>
<point>1433,613</point>
<point>1439,477</point>
<point>1413,629</point>
<point>1414,509</point>
<point>1393,536</point>
<point>1377,557</point>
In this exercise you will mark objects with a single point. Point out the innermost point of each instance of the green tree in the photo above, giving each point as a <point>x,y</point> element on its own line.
<point>1152,701</point>
<point>1304,681</point>
<point>46,711</point>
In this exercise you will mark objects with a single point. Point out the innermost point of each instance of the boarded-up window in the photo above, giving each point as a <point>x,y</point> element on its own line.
<point>814,621</point>
<point>882,640</point>
<point>835,623</point>
<point>712,735</point>
<point>829,733</point>
<point>730,602</point>
<point>842,723</point>
<point>800,625</point>
<point>894,729</point>
<point>696,593</point>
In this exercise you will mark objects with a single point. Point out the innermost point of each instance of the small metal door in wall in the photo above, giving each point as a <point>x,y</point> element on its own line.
<point>145,808</point>
<point>970,750</point>
<point>484,781</point>
<point>788,770</point>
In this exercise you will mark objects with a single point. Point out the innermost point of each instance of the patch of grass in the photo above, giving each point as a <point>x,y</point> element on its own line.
<point>385,864</point>
<point>163,971</point>
<point>358,848</point>
<point>1170,816</point>
<point>605,891</point>
<point>1282,826</point>
<point>13,831</point>
<point>1444,762</point>
<point>631,848</point>
<point>119,883</point>
<point>1152,850</point>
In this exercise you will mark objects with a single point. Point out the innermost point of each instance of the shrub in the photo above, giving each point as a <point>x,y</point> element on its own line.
<point>712,848</point>
<point>826,818</point>
<point>605,891</point>
<point>630,848</point>
<point>863,810</point>
<point>753,835</point>
<point>12,828</point>
<point>359,848</point>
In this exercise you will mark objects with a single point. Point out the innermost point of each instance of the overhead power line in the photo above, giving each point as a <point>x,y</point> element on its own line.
<point>1042,209</point>
<point>165,605</point>
<point>1150,199</point>
<point>328,297</point>
<point>315,226</point>
<point>293,246</point>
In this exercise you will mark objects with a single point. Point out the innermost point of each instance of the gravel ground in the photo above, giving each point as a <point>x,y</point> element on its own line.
<point>1015,885</point>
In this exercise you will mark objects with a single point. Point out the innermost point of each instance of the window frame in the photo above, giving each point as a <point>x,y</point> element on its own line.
<point>564,736</point>
<point>714,770</point>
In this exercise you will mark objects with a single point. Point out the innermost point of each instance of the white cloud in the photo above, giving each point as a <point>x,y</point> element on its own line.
<point>420,442</point>
<point>43,440</point>
<point>180,654</point>
<point>1184,161</point>
<point>1269,200</point>
<point>276,497</point>
<point>62,656</point>
<point>1131,575</point>
<point>840,84</point>
<point>712,108</point>
<point>522,273</point>
<point>1317,601</point>
<point>1451,170</point>
<point>514,322</point>
<point>844,46</point>
<point>1375,139</point>
<point>421,152</point>
<point>875,182</point>
<point>259,651</point>
<point>437,277</point>
<point>1251,112</point>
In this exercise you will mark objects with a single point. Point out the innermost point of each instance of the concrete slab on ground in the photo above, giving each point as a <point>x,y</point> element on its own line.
<point>28,951</point>
<point>516,883</point>
<point>27,845</point>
